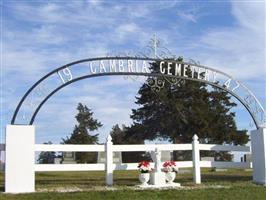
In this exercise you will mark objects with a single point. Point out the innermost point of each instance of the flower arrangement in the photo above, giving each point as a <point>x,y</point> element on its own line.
<point>144,167</point>
<point>170,166</point>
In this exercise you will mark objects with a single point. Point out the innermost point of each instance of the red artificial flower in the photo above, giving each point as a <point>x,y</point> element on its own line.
<point>173,163</point>
<point>144,163</point>
<point>169,164</point>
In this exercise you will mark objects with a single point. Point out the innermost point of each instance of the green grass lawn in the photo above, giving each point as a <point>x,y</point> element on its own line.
<point>233,184</point>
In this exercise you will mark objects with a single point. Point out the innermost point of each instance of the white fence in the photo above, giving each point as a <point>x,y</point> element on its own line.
<point>109,148</point>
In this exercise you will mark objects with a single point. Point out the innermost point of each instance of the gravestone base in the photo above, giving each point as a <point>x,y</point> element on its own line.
<point>165,186</point>
<point>173,184</point>
<point>157,181</point>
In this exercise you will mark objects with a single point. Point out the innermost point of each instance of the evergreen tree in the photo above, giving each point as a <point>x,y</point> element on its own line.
<point>180,110</point>
<point>118,134</point>
<point>81,134</point>
<point>123,136</point>
<point>46,157</point>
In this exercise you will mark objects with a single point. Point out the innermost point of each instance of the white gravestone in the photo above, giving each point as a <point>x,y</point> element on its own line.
<point>166,156</point>
<point>69,158</point>
<point>157,176</point>
<point>57,160</point>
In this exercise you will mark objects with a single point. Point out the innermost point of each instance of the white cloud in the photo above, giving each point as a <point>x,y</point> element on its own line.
<point>191,14</point>
<point>250,14</point>
<point>188,16</point>
<point>238,50</point>
<point>94,2</point>
<point>128,28</point>
<point>47,35</point>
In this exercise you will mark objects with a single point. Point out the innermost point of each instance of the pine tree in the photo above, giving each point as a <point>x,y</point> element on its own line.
<point>118,134</point>
<point>180,110</point>
<point>123,136</point>
<point>46,157</point>
<point>81,134</point>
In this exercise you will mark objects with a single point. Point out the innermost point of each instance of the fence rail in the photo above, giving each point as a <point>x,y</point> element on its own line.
<point>225,164</point>
<point>69,147</point>
<point>134,148</point>
<point>100,166</point>
<point>217,147</point>
<point>109,148</point>
<point>69,167</point>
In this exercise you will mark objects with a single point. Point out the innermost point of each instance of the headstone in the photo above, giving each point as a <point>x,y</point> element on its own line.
<point>157,176</point>
<point>166,156</point>
<point>247,158</point>
<point>69,158</point>
<point>207,159</point>
<point>101,157</point>
<point>117,157</point>
<point>57,160</point>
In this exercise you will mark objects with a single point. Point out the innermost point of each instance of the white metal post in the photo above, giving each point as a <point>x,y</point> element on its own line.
<point>109,161</point>
<point>196,160</point>
<point>19,169</point>
<point>258,149</point>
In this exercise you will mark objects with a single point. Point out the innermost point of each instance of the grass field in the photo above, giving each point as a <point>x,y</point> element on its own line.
<point>233,184</point>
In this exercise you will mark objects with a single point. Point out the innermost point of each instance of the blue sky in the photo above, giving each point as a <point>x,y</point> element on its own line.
<point>39,36</point>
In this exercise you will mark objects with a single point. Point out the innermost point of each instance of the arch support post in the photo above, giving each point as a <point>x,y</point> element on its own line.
<point>19,168</point>
<point>258,148</point>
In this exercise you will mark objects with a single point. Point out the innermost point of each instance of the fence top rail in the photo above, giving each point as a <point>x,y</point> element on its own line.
<point>151,147</point>
<point>136,147</point>
<point>116,148</point>
<point>70,147</point>
<point>216,147</point>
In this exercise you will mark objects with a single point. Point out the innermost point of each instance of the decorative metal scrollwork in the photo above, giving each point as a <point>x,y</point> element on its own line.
<point>156,84</point>
<point>172,80</point>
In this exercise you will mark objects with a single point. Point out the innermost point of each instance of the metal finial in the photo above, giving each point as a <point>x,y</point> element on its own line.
<point>155,44</point>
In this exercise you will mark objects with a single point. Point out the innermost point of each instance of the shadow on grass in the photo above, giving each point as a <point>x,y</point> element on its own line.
<point>126,181</point>
<point>71,181</point>
<point>225,178</point>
